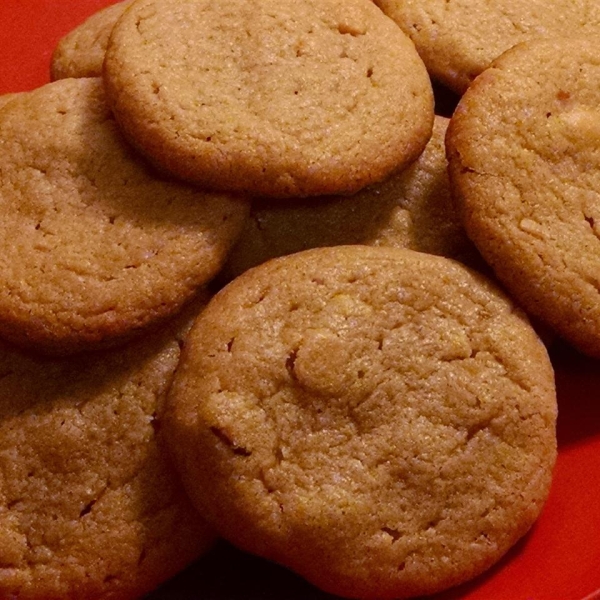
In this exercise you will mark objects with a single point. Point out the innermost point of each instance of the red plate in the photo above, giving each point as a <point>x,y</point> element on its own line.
<point>558,560</point>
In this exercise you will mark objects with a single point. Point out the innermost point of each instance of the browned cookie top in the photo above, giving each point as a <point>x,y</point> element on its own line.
<point>524,158</point>
<point>276,97</point>
<point>380,420</point>
<point>95,246</point>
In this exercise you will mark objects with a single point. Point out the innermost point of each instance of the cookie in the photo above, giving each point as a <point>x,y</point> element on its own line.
<point>271,97</point>
<point>411,209</point>
<point>458,40</point>
<point>525,168</point>
<point>80,53</point>
<point>381,421</point>
<point>96,246</point>
<point>90,506</point>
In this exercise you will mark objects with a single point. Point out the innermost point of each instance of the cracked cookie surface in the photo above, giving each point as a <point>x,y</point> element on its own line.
<point>379,420</point>
<point>269,97</point>
<point>96,247</point>
<point>525,168</point>
<point>459,39</point>
<point>89,503</point>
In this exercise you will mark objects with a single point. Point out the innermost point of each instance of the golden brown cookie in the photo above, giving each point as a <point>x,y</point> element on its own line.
<point>458,40</point>
<point>95,246</point>
<point>274,97</point>
<point>412,209</point>
<point>380,420</point>
<point>81,52</point>
<point>525,166</point>
<point>90,506</point>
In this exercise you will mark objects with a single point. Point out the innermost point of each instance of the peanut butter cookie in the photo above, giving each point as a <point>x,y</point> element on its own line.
<point>96,247</point>
<point>458,40</point>
<point>274,97</point>
<point>81,52</point>
<point>525,167</point>
<point>381,421</point>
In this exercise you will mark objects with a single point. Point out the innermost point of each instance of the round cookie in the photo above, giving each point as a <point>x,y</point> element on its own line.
<point>458,40</point>
<point>381,421</point>
<point>90,506</point>
<point>81,52</point>
<point>96,246</point>
<point>525,167</point>
<point>411,209</point>
<point>272,97</point>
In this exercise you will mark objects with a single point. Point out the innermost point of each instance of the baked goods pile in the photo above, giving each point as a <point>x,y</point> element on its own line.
<point>254,287</point>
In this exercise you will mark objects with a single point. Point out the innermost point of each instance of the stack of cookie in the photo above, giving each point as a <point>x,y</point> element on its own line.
<point>235,247</point>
